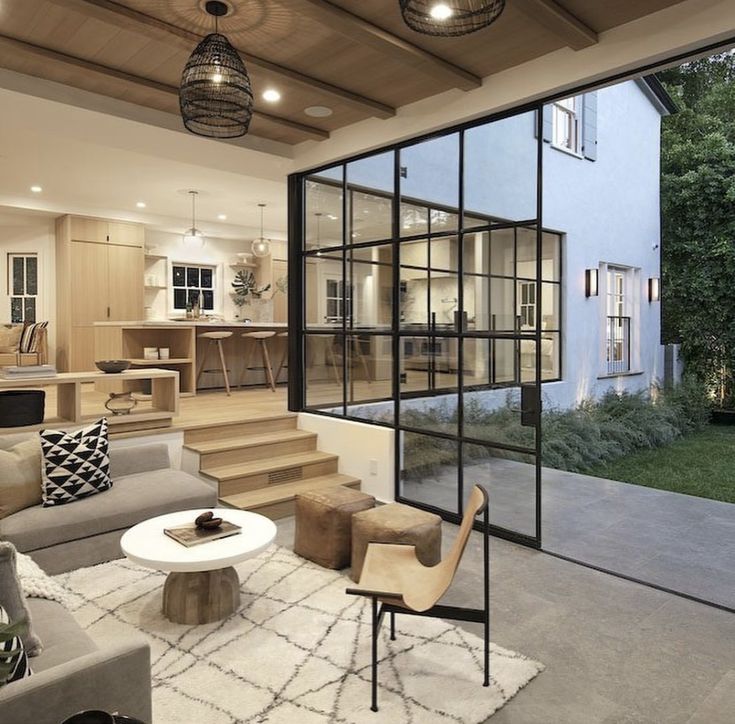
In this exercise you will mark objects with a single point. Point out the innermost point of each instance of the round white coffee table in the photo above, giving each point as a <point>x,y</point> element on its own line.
<point>201,586</point>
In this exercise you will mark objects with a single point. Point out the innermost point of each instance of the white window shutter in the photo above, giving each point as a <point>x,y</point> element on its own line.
<point>589,130</point>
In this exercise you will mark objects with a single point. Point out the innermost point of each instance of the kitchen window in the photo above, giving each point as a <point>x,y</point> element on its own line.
<point>23,287</point>
<point>566,122</point>
<point>192,282</point>
<point>337,295</point>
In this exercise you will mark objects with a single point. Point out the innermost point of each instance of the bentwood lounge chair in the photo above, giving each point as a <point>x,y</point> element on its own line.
<point>397,582</point>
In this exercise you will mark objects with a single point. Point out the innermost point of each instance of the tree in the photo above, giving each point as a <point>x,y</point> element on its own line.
<point>698,220</point>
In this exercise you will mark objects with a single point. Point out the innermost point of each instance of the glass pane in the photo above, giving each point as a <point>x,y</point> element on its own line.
<point>192,276</point>
<point>527,360</point>
<point>502,256</point>
<point>179,298</point>
<point>495,416</point>
<point>476,250</point>
<point>443,301</point>
<point>550,356</point>
<point>372,286</point>
<point>414,298</point>
<point>16,310</point>
<point>430,175</point>
<point>18,275</point>
<point>324,291</point>
<point>369,377</point>
<point>193,296</point>
<point>323,210</point>
<point>476,362</point>
<point>429,470</point>
<point>206,278</point>
<point>444,253</point>
<point>32,275</point>
<point>510,480</point>
<point>415,253</point>
<point>29,309</point>
<point>208,299</point>
<point>500,169</point>
<point>179,276</point>
<point>489,304</point>
<point>371,184</point>
<point>504,362</point>
<point>414,220</point>
<point>551,257</point>
<point>443,221</point>
<point>323,372</point>
<point>526,252</point>
<point>550,305</point>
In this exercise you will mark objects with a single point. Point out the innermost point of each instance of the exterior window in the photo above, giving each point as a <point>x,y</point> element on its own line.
<point>191,281</point>
<point>335,301</point>
<point>618,321</point>
<point>567,126</point>
<point>527,304</point>
<point>23,287</point>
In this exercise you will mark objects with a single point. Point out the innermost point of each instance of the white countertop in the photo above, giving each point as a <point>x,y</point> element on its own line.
<point>193,323</point>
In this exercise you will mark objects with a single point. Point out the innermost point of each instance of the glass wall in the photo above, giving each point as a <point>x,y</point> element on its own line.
<point>431,303</point>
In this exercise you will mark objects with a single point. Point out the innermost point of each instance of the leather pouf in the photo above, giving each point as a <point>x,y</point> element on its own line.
<point>396,523</point>
<point>324,524</point>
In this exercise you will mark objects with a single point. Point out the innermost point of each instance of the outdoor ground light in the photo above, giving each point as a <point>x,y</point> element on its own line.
<point>654,289</point>
<point>591,282</point>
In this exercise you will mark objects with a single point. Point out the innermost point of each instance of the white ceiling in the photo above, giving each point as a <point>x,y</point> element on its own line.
<point>96,164</point>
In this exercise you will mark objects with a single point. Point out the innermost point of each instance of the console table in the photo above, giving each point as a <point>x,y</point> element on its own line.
<point>164,399</point>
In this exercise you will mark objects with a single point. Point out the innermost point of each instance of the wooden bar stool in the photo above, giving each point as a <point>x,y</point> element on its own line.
<point>215,339</point>
<point>261,340</point>
<point>284,354</point>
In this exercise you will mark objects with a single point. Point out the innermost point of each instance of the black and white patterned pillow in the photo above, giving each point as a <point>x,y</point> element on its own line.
<point>13,660</point>
<point>75,464</point>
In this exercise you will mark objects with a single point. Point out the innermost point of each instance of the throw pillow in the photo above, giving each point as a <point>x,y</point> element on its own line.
<point>10,338</point>
<point>13,600</point>
<point>13,659</point>
<point>30,337</point>
<point>75,464</point>
<point>20,477</point>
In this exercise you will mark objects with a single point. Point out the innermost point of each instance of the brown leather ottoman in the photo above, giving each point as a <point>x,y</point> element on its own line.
<point>324,524</point>
<point>396,523</point>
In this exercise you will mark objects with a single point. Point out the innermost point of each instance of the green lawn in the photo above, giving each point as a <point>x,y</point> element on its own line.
<point>701,464</point>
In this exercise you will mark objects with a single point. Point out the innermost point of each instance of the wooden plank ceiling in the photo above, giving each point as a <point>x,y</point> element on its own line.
<point>357,58</point>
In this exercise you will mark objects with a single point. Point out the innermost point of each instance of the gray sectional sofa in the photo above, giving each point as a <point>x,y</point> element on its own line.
<point>74,673</point>
<point>88,531</point>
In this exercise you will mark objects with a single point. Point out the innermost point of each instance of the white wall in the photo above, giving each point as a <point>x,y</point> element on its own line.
<point>365,451</point>
<point>30,233</point>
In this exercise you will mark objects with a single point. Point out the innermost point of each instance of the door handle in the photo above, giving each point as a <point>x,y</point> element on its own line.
<point>530,405</point>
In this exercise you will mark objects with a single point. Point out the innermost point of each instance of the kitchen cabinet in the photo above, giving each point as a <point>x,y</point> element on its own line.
<point>99,277</point>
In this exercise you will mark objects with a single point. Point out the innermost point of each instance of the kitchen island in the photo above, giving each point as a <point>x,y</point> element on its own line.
<point>127,340</point>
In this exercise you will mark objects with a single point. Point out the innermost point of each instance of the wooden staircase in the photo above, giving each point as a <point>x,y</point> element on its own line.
<point>262,464</point>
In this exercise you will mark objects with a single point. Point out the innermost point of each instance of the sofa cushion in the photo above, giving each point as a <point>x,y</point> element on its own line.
<point>13,660</point>
<point>10,335</point>
<point>132,499</point>
<point>75,464</point>
<point>20,476</point>
<point>63,637</point>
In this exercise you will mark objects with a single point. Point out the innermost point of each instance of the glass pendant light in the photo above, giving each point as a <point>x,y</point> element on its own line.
<point>450,18</point>
<point>215,95</point>
<point>193,236</point>
<point>261,246</point>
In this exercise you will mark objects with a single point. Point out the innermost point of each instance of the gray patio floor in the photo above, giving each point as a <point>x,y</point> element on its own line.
<point>677,541</point>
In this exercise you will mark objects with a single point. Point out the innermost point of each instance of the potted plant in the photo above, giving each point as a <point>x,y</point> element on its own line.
<point>246,292</point>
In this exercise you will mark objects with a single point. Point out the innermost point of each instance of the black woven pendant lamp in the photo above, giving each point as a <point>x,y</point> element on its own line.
<point>450,17</point>
<point>215,95</point>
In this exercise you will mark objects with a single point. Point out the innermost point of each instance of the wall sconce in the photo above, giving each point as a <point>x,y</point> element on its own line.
<point>591,282</point>
<point>654,289</point>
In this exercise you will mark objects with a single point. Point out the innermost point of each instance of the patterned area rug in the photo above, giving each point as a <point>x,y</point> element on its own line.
<point>298,650</point>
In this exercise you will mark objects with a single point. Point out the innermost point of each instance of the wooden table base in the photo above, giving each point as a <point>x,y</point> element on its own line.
<point>201,597</point>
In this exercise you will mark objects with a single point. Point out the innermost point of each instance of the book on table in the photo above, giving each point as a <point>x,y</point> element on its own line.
<point>28,371</point>
<point>189,535</point>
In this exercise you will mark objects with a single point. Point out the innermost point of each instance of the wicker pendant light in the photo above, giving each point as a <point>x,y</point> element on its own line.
<point>450,17</point>
<point>215,96</point>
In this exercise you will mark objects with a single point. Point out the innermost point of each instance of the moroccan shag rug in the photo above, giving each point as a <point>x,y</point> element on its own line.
<point>296,652</point>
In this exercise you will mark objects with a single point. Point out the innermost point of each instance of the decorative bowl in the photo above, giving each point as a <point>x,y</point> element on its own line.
<point>112,366</point>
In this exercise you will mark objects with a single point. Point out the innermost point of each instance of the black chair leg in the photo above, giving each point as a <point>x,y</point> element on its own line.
<point>392,626</point>
<point>374,706</point>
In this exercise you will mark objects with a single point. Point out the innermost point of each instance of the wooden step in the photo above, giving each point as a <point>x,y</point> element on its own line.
<point>256,426</point>
<point>244,477</point>
<point>277,501</point>
<point>231,451</point>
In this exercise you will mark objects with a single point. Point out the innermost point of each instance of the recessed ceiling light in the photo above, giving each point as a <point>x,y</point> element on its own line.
<point>441,11</point>
<point>222,217</point>
<point>140,204</point>
<point>318,111</point>
<point>271,95</point>
<point>36,189</point>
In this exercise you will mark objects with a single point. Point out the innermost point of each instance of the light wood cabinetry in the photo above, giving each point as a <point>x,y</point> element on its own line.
<point>99,277</point>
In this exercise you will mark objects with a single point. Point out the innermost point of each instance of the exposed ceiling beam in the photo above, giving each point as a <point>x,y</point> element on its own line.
<point>88,65</point>
<point>361,31</point>
<point>559,21</point>
<point>139,22</point>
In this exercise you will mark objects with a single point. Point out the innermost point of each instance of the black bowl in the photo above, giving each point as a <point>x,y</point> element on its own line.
<point>112,366</point>
<point>21,407</point>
